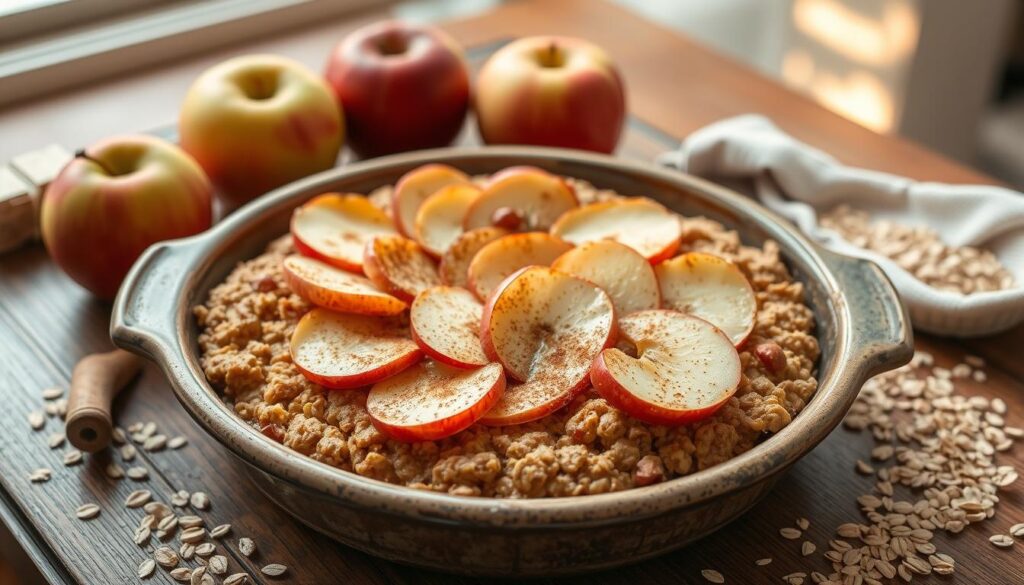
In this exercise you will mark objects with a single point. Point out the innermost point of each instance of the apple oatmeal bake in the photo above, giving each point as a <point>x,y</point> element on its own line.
<point>513,336</point>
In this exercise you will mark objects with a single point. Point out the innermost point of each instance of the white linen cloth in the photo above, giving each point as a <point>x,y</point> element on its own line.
<point>805,181</point>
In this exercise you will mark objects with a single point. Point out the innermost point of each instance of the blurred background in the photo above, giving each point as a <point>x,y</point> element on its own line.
<point>946,73</point>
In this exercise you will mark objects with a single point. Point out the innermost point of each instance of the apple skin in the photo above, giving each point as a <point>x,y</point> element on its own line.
<point>115,199</point>
<point>402,87</point>
<point>609,388</point>
<point>257,122</point>
<point>551,91</point>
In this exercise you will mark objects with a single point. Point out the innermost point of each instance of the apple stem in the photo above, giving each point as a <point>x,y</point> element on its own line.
<point>80,153</point>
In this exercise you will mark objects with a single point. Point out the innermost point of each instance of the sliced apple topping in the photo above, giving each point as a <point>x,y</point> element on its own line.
<point>343,350</point>
<point>526,197</point>
<point>500,258</point>
<point>639,223</point>
<point>339,290</point>
<point>621,271</point>
<point>685,369</point>
<point>439,219</point>
<point>431,400</point>
<point>334,228</point>
<point>445,323</point>
<point>399,267</point>
<point>711,288</point>
<point>454,266</point>
<point>545,327</point>
<point>413,189</point>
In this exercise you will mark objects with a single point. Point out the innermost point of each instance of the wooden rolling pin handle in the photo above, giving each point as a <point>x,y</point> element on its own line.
<point>95,382</point>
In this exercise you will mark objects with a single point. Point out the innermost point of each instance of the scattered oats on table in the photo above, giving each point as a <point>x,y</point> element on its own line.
<point>273,570</point>
<point>941,446</point>
<point>52,393</point>
<point>138,499</point>
<point>87,511</point>
<point>712,576</point>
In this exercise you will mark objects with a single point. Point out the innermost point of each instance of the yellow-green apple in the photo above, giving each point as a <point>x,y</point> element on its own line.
<point>684,369</point>
<point>545,328</point>
<point>259,121</point>
<point>431,400</point>
<point>345,350</point>
<point>335,289</point>
<point>113,200</point>
<point>641,224</point>
<point>402,86</point>
<point>399,266</point>
<point>445,323</point>
<point>521,198</point>
<point>551,91</point>
<point>619,270</point>
<point>500,258</point>
<point>712,288</point>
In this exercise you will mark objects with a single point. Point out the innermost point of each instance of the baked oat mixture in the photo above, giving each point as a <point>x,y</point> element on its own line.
<point>588,447</point>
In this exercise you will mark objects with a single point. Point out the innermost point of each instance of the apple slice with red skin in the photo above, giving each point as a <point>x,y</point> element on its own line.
<point>621,271</point>
<point>344,350</point>
<point>545,327</point>
<point>641,224</point>
<point>500,258</point>
<point>399,266</point>
<point>439,219</point>
<point>334,228</point>
<point>413,188</point>
<point>338,290</point>
<point>685,369</point>
<point>445,323</point>
<point>454,267</point>
<point>712,288</point>
<point>431,400</point>
<point>534,198</point>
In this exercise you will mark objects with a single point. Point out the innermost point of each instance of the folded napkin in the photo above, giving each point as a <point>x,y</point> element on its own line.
<point>799,182</point>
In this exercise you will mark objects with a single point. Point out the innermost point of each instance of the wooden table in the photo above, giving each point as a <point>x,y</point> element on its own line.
<point>675,86</point>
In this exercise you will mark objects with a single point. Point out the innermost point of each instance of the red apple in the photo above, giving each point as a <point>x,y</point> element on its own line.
<point>685,368</point>
<point>402,86</point>
<point>344,350</point>
<point>113,200</point>
<point>257,122</point>
<point>431,400</point>
<point>546,328</point>
<point>551,91</point>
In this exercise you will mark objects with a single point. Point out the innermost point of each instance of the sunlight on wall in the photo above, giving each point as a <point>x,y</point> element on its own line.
<point>857,37</point>
<point>853,61</point>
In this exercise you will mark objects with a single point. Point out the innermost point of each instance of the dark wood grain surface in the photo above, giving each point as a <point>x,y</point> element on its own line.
<point>47,323</point>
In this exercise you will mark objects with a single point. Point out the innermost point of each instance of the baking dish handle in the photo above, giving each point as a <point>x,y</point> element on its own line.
<point>881,336</point>
<point>143,319</point>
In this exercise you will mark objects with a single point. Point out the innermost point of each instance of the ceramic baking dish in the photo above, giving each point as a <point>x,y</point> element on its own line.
<point>862,329</point>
